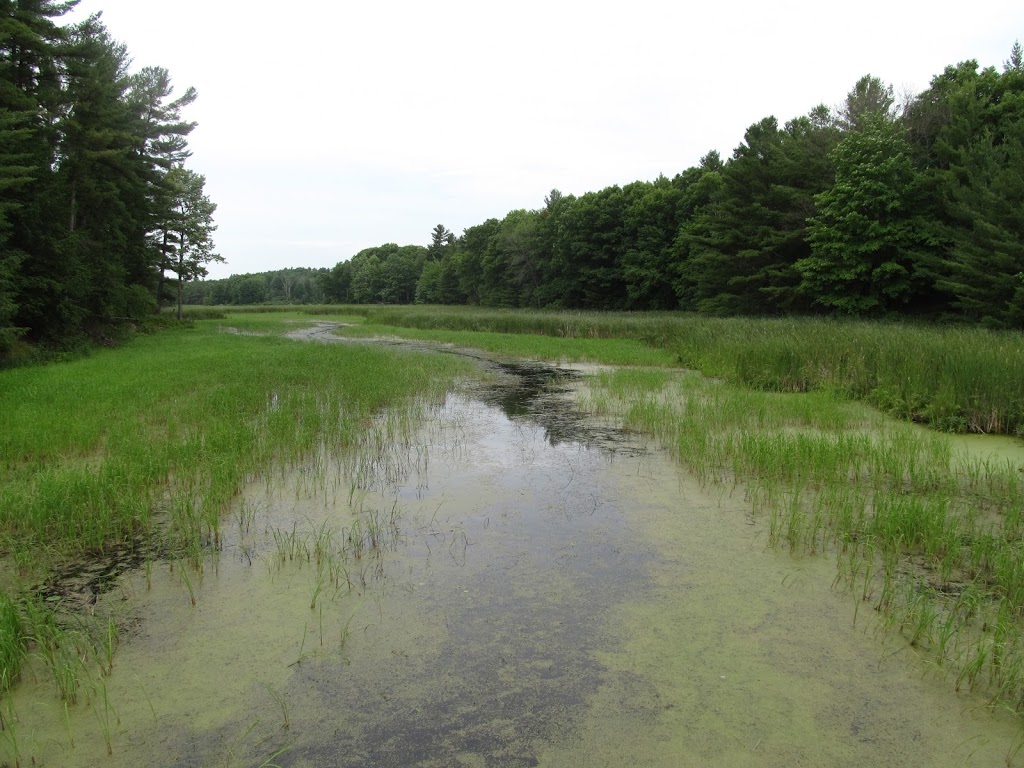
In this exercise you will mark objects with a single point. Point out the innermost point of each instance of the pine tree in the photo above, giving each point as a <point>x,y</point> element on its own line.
<point>190,228</point>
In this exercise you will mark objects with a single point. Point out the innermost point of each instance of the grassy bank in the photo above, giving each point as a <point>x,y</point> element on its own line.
<point>155,438</point>
<point>927,536</point>
<point>955,379</point>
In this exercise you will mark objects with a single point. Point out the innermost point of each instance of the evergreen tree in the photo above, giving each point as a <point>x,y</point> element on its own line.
<point>737,254</point>
<point>867,235</point>
<point>869,98</point>
<point>440,239</point>
<point>190,228</point>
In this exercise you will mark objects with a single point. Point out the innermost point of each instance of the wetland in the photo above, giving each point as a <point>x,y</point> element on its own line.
<point>508,567</point>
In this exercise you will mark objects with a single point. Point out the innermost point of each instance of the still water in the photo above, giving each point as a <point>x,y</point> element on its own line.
<point>507,585</point>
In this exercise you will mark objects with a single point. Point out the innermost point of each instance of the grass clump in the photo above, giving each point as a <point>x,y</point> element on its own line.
<point>12,642</point>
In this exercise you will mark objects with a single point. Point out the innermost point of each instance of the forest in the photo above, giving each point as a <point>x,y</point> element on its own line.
<point>871,209</point>
<point>296,285</point>
<point>99,217</point>
<point>876,207</point>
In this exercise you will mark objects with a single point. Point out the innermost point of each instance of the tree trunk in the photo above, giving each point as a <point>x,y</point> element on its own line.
<point>180,270</point>
<point>163,275</point>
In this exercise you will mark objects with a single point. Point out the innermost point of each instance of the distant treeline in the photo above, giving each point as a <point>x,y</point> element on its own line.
<point>99,218</point>
<point>870,209</point>
<point>284,286</point>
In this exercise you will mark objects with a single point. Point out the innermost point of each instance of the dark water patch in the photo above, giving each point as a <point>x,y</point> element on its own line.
<point>78,584</point>
<point>533,390</point>
<point>540,393</point>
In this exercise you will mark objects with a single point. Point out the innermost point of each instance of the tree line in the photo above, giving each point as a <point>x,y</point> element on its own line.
<point>99,216</point>
<point>869,209</point>
<point>297,285</point>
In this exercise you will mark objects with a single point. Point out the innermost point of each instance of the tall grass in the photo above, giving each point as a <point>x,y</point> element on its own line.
<point>931,538</point>
<point>953,378</point>
<point>160,435</point>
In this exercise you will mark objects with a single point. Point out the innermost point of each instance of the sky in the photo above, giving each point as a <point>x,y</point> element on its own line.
<point>328,127</point>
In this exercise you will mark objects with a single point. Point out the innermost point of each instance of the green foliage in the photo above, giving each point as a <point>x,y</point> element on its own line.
<point>984,265</point>
<point>969,129</point>
<point>440,238</point>
<point>296,285</point>
<point>650,223</point>
<point>867,233</point>
<point>739,249</point>
<point>510,268</point>
<point>386,274</point>
<point>188,230</point>
<point>869,100</point>
<point>88,157</point>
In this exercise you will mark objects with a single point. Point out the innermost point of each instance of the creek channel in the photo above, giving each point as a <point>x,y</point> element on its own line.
<point>507,584</point>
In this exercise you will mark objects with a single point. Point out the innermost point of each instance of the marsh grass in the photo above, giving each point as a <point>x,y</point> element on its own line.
<point>612,351</point>
<point>156,438</point>
<point>278,323</point>
<point>954,378</point>
<point>930,539</point>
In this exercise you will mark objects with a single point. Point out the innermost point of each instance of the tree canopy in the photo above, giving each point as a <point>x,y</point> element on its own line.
<point>92,176</point>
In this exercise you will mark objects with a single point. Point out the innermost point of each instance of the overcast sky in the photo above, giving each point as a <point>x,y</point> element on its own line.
<point>329,127</point>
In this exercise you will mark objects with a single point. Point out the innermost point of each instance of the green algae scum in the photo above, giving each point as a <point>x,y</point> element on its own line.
<point>506,565</point>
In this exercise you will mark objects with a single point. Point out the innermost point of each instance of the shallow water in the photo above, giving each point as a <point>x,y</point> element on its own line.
<point>541,591</point>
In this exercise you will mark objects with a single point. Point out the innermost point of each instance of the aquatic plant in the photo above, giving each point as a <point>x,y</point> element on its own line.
<point>929,538</point>
<point>155,440</point>
<point>12,643</point>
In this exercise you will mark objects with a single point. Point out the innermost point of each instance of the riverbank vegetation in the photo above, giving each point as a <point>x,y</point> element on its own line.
<point>926,533</point>
<point>956,379</point>
<point>143,447</point>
